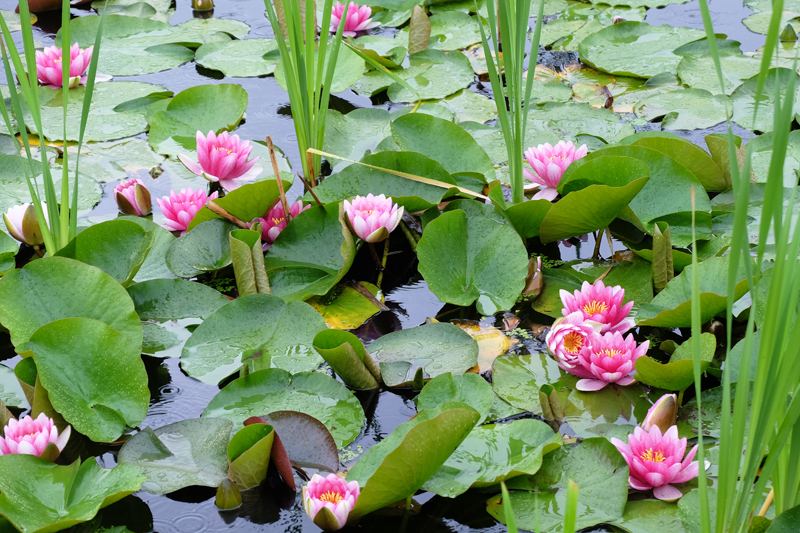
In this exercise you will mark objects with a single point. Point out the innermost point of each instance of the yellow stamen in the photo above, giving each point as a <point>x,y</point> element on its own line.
<point>334,497</point>
<point>656,457</point>
<point>221,148</point>
<point>573,342</point>
<point>610,352</point>
<point>595,307</point>
<point>277,221</point>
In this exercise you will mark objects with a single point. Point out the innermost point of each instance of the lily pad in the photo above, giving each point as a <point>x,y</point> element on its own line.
<point>203,108</point>
<point>206,249</point>
<point>437,348</point>
<point>494,453</point>
<point>273,389</point>
<point>594,465</point>
<point>261,326</point>
<point>697,69</point>
<point>115,160</point>
<point>94,376</point>
<point>678,373</point>
<point>460,257</point>
<point>694,158</point>
<point>636,49</point>
<point>240,59</point>
<point>155,264</point>
<point>744,100</point>
<point>186,453</point>
<point>247,202</point>
<point>355,134</point>
<point>646,516</point>
<point>690,109</point>
<point>426,441</point>
<point>470,389</point>
<point>56,287</point>
<point>450,30</point>
<point>517,379</point>
<point>11,393</point>
<point>575,119</point>
<point>63,495</point>
<point>307,441</point>
<point>8,251</point>
<point>346,355</point>
<point>470,106</point>
<point>349,308</point>
<point>249,454</point>
<point>319,233</point>
<point>349,68</point>
<point>432,73</point>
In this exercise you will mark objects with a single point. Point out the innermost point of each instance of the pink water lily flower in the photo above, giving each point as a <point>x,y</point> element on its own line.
<point>23,225</point>
<point>608,358</point>
<point>180,208</point>
<point>31,437</point>
<point>133,198</point>
<point>656,461</point>
<point>373,218</point>
<point>568,336</point>
<point>358,19</point>
<point>601,304</point>
<point>549,163</point>
<point>329,500</point>
<point>223,158</point>
<point>49,69</point>
<point>274,221</point>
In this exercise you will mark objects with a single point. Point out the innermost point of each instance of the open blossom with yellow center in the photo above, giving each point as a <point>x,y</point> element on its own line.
<point>568,336</point>
<point>657,460</point>
<point>549,163</point>
<point>274,221</point>
<point>608,358</point>
<point>49,68</point>
<point>328,500</point>
<point>601,304</point>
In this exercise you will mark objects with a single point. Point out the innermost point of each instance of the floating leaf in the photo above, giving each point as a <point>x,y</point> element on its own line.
<point>94,376</point>
<point>260,326</point>
<point>252,200</point>
<point>38,496</point>
<point>307,441</point>
<point>240,59</point>
<point>492,343</point>
<point>11,393</point>
<point>470,389</point>
<point>697,70</point>
<point>517,378</point>
<point>744,100</point>
<point>349,68</point>
<point>435,348</point>
<point>646,516</point>
<point>8,251</point>
<point>425,441</point>
<point>205,250</point>
<point>450,30</point>
<point>420,31</point>
<point>349,308</point>
<point>184,454</point>
<point>678,373</point>
<point>494,453</point>
<point>314,394</point>
<point>690,109</point>
<point>697,160</point>
<point>663,269</point>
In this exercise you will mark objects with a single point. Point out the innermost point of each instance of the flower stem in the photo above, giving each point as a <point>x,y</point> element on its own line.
<point>277,172</point>
<point>383,262</point>
<point>224,214</point>
<point>412,240</point>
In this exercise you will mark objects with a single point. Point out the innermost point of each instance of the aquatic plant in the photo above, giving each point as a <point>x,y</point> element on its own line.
<point>180,208</point>
<point>133,198</point>
<point>358,19</point>
<point>274,221</point>
<point>328,500</point>
<point>601,304</point>
<point>22,224</point>
<point>608,358</point>
<point>223,158</point>
<point>373,218</point>
<point>549,163</point>
<point>568,336</point>
<point>657,460</point>
<point>31,436</point>
<point>49,66</point>
<point>662,413</point>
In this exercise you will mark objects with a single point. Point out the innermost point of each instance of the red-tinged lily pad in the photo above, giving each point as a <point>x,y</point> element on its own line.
<point>307,441</point>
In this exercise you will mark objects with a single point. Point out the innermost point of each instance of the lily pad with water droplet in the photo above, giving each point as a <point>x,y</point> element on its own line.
<point>206,249</point>
<point>240,59</point>
<point>744,100</point>
<point>452,30</point>
<point>11,393</point>
<point>470,389</point>
<point>697,70</point>
<point>646,516</point>
<point>690,109</point>
<point>315,394</point>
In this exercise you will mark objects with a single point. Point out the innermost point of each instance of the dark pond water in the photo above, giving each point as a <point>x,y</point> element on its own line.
<point>177,397</point>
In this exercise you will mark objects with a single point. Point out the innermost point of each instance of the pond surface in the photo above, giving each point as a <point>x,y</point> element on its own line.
<point>175,396</point>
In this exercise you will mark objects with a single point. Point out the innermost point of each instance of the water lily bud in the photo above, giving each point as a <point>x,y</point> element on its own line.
<point>202,5</point>
<point>618,20</point>
<point>23,225</point>
<point>788,34</point>
<point>663,413</point>
<point>228,495</point>
<point>133,198</point>
<point>373,218</point>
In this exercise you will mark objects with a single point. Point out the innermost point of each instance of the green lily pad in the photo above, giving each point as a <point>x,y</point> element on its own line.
<point>759,22</point>
<point>470,106</point>
<point>762,147</point>
<point>8,252</point>
<point>39,496</point>
<point>711,400</point>
<point>690,109</point>
<point>426,441</point>
<point>134,46</point>
<point>450,30</point>
<point>646,516</point>
<point>639,3</point>
<point>575,119</point>
<point>494,453</point>
<point>115,160</point>
<point>56,287</point>
<point>697,69</point>
<point>211,27</point>
<point>282,333</point>
<point>349,308</point>
<point>349,68</point>
<point>201,108</point>
<point>94,376</point>
<point>443,141</point>
<point>11,393</point>
<point>355,134</point>
<point>432,73</point>
<point>273,389</point>
<point>437,348</point>
<point>517,379</point>
<point>161,9</point>
<point>594,465</point>
<point>356,180</point>
<point>346,355</point>
<point>672,306</point>
<point>388,52</point>
<point>240,59</point>
<point>187,453</point>
<point>250,201</point>
<point>319,233</point>
<point>786,521</point>
<point>744,99</point>
<point>691,156</point>
<point>206,249</point>
<point>117,247</point>
<point>636,49</point>
<point>460,257</point>
<point>155,264</point>
<point>249,454</point>
<point>678,373</point>
<point>470,389</point>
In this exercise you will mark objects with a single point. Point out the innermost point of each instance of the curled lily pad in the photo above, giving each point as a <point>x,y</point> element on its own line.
<point>435,348</point>
<point>64,495</point>
<point>249,452</point>
<point>317,395</point>
<point>426,441</point>
<point>183,454</point>
<point>260,326</point>
<point>347,357</point>
<point>307,441</point>
<point>494,453</point>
